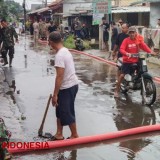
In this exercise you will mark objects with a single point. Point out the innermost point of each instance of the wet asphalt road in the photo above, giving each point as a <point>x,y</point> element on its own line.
<point>97,111</point>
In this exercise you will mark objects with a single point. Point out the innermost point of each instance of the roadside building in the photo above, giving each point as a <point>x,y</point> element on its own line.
<point>43,13</point>
<point>154,10</point>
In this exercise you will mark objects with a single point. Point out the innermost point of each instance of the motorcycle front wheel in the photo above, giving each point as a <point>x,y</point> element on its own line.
<point>150,96</point>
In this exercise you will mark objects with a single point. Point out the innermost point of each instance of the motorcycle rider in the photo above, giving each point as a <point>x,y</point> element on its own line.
<point>130,45</point>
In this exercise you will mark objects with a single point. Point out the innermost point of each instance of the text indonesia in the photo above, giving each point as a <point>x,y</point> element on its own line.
<point>25,145</point>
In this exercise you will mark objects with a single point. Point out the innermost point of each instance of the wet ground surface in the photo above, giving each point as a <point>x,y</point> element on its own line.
<point>97,111</point>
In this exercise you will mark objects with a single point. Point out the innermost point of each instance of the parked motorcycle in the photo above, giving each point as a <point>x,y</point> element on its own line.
<point>79,44</point>
<point>140,79</point>
<point>65,35</point>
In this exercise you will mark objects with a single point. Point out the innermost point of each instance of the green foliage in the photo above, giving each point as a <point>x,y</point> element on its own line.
<point>10,9</point>
<point>86,44</point>
<point>3,10</point>
<point>70,43</point>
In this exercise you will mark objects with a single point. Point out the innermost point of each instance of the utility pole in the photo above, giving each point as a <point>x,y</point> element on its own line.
<point>45,3</point>
<point>24,7</point>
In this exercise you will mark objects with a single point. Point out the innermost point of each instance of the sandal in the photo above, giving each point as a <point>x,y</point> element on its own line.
<point>56,139</point>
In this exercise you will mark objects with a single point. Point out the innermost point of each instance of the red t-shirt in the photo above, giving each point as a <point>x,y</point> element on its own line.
<point>132,47</point>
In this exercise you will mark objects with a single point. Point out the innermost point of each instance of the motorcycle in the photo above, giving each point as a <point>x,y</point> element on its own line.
<point>140,79</point>
<point>79,44</point>
<point>65,35</point>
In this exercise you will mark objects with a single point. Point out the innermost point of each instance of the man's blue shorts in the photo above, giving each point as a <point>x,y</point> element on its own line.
<point>65,109</point>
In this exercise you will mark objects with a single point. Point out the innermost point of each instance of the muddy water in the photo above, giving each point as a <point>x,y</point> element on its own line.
<point>97,111</point>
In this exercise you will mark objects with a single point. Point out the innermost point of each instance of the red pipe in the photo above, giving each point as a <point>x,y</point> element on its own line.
<point>92,56</point>
<point>88,139</point>
<point>156,79</point>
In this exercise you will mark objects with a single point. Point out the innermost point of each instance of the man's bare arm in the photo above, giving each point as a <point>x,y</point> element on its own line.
<point>59,78</point>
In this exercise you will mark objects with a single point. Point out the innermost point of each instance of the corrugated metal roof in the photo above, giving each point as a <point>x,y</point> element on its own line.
<point>39,10</point>
<point>131,9</point>
<point>55,3</point>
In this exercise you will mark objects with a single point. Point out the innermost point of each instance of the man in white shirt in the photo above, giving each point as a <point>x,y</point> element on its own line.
<point>66,87</point>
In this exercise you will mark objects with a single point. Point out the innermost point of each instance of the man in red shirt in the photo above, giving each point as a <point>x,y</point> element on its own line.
<point>130,46</point>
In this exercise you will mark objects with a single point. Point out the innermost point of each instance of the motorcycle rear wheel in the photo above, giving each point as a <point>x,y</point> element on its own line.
<point>150,96</point>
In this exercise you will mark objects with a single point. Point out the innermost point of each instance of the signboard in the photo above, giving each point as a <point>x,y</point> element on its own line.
<point>97,18</point>
<point>100,7</point>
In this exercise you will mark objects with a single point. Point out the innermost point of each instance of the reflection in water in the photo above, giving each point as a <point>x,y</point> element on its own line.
<point>67,155</point>
<point>128,116</point>
<point>25,61</point>
<point>11,91</point>
<point>90,70</point>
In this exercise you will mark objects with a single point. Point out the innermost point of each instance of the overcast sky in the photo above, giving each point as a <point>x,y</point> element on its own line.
<point>29,2</point>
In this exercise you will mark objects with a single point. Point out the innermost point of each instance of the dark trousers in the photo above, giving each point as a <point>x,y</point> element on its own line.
<point>65,109</point>
<point>9,50</point>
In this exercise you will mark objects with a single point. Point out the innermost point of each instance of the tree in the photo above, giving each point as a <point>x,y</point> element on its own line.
<point>3,9</point>
<point>10,9</point>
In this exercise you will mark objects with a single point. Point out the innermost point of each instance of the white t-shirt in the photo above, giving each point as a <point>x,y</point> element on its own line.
<point>64,60</point>
<point>20,25</point>
<point>158,26</point>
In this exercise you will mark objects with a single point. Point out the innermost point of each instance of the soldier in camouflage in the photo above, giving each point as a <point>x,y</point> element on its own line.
<point>8,35</point>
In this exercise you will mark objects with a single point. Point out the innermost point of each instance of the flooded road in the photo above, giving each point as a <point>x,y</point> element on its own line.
<point>97,111</point>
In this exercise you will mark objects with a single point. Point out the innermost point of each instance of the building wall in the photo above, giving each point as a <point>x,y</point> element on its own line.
<point>117,17</point>
<point>141,19</point>
<point>154,14</point>
<point>71,5</point>
<point>122,2</point>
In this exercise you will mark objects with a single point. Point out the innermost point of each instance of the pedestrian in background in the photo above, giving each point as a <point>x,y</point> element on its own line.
<point>42,32</point>
<point>36,30</point>
<point>8,35</point>
<point>46,28</point>
<point>105,32</point>
<point>119,26</point>
<point>78,27</point>
<point>31,28</point>
<point>0,35</point>
<point>114,35</point>
<point>52,27</point>
<point>66,87</point>
<point>61,29</point>
<point>117,46</point>
<point>20,27</point>
<point>158,24</point>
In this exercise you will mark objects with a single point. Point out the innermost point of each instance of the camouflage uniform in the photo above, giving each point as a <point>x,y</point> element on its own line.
<point>8,43</point>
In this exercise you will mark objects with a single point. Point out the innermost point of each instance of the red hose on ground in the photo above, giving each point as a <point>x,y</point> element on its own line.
<point>88,139</point>
<point>156,79</point>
